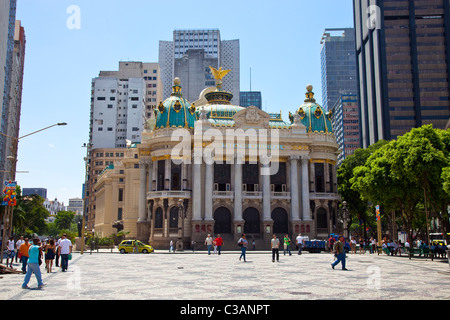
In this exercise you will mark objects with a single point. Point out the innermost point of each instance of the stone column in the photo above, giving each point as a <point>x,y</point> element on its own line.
<point>142,190</point>
<point>238,188</point>
<point>295,203</point>
<point>209,188</point>
<point>266,195</point>
<point>168,174</point>
<point>305,190</point>
<point>197,187</point>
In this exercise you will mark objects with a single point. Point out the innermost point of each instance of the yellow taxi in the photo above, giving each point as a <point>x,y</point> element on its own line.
<point>134,246</point>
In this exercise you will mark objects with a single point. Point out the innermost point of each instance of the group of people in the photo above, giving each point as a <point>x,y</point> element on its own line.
<point>243,244</point>
<point>214,243</point>
<point>31,254</point>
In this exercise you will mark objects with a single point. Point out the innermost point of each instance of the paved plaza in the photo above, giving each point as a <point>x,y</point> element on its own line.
<point>197,276</point>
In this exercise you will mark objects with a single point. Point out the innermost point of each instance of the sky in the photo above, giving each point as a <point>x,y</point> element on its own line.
<point>279,42</point>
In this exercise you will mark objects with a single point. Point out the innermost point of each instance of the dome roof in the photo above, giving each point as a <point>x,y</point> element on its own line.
<point>312,115</point>
<point>175,111</point>
<point>219,109</point>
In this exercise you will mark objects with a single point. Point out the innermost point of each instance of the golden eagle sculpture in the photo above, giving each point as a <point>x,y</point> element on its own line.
<point>218,74</point>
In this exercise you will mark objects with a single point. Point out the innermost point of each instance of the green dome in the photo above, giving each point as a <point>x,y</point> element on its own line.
<point>175,111</point>
<point>312,115</point>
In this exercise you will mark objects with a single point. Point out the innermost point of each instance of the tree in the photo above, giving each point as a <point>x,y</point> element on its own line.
<point>357,206</point>
<point>32,214</point>
<point>64,219</point>
<point>376,182</point>
<point>420,157</point>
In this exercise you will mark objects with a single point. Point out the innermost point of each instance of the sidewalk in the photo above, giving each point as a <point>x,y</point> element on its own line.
<point>196,275</point>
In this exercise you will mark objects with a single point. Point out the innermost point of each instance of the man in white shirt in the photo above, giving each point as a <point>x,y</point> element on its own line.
<point>209,242</point>
<point>275,246</point>
<point>64,249</point>
<point>10,251</point>
<point>299,243</point>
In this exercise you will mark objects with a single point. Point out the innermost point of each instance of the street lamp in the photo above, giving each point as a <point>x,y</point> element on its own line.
<point>86,178</point>
<point>180,246</point>
<point>8,214</point>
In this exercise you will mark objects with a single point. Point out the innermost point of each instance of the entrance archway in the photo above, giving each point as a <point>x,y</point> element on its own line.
<point>280,221</point>
<point>222,224</point>
<point>252,220</point>
<point>321,218</point>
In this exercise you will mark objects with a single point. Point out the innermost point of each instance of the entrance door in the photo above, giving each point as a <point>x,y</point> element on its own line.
<point>222,224</point>
<point>280,221</point>
<point>252,220</point>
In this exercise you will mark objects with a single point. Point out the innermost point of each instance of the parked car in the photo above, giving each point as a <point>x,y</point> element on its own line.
<point>134,245</point>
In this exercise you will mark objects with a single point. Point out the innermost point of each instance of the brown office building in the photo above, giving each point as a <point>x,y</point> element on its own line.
<point>403,62</point>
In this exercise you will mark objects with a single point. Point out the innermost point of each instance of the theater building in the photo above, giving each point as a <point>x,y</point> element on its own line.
<point>223,169</point>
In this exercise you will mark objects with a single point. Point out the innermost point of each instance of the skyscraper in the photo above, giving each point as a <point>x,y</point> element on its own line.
<point>338,63</point>
<point>7,27</point>
<point>188,57</point>
<point>345,122</point>
<point>121,101</point>
<point>15,96</point>
<point>403,52</point>
<point>251,98</point>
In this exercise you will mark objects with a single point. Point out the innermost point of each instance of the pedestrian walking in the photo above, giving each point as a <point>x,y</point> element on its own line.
<point>34,252</point>
<point>209,243</point>
<point>287,244</point>
<point>50,250</point>
<point>353,245</point>
<point>10,252</point>
<point>275,246</point>
<point>254,245</point>
<point>300,241</point>
<point>219,244</point>
<point>215,245</point>
<point>339,253</point>
<point>192,245</point>
<point>23,252</point>
<point>171,246</point>
<point>361,246</point>
<point>243,244</point>
<point>18,244</point>
<point>64,249</point>
<point>57,252</point>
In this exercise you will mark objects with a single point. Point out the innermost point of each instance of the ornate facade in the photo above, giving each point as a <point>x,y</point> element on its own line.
<point>224,169</point>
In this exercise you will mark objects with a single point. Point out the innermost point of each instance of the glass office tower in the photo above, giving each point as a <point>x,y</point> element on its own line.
<point>402,50</point>
<point>250,98</point>
<point>338,63</point>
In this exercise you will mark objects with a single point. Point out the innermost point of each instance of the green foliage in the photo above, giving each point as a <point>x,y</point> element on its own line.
<point>29,215</point>
<point>64,219</point>
<point>402,175</point>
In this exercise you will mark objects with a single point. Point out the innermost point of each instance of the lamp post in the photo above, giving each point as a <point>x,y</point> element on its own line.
<point>8,214</point>
<point>86,182</point>
<point>345,218</point>
<point>180,246</point>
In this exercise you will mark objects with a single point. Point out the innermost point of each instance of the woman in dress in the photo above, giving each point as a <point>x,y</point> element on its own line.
<point>50,250</point>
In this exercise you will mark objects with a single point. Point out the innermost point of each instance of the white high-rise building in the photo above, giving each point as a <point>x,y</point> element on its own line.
<point>207,48</point>
<point>121,101</point>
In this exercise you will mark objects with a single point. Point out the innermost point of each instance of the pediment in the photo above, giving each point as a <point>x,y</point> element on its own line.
<point>251,117</point>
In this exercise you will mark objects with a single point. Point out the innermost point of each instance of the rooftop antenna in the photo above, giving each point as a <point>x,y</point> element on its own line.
<point>250,79</point>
